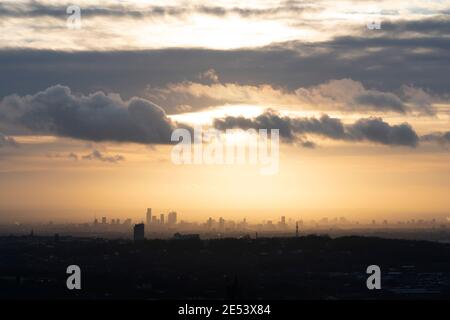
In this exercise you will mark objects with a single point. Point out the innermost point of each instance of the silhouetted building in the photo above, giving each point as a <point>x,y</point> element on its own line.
<point>149,216</point>
<point>103,220</point>
<point>139,230</point>
<point>161,220</point>
<point>210,222</point>
<point>282,223</point>
<point>172,218</point>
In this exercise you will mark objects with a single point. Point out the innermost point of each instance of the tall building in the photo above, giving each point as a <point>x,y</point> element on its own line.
<point>103,220</point>
<point>138,232</point>
<point>161,220</point>
<point>172,218</point>
<point>210,222</point>
<point>149,216</point>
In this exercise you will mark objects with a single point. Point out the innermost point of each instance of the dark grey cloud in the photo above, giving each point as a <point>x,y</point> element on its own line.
<point>97,155</point>
<point>381,101</point>
<point>268,120</point>
<point>369,129</point>
<point>442,138</point>
<point>378,131</point>
<point>438,25</point>
<point>94,117</point>
<point>37,9</point>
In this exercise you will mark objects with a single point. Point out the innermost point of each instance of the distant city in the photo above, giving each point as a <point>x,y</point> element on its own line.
<point>169,225</point>
<point>221,258</point>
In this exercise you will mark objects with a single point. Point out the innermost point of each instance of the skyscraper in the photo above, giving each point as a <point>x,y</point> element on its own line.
<point>172,218</point>
<point>149,216</point>
<point>139,230</point>
<point>103,220</point>
<point>161,220</point>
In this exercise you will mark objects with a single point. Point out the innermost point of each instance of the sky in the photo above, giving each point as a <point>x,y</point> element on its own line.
<point>358,90</point>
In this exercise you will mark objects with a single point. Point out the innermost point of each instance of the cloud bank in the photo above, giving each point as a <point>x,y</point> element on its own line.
<point>372,129</point>
<point>342,95</point>
<point>95,117</point>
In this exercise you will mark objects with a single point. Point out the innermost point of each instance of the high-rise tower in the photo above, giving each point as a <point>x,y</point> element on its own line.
<point>149,216</point>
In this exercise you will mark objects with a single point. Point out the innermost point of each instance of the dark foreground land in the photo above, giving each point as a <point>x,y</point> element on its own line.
<point>311,267</point>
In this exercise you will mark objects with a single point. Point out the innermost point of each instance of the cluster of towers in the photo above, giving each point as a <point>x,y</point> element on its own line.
<point>152,220</point>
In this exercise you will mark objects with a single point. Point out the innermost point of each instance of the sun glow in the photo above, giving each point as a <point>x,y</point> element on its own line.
<point>207,117</point>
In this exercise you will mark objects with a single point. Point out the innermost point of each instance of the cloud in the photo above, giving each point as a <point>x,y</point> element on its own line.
<point>383,64</point>
<point>37,9</point>
<point>6,141</point>
<point>378,131</point>
<point>438,25</point>
<point>71,156</point>
<point>372,129</point>
<point>93,155</point>
<point>97,155</point>
<point>343,95</point>
<point>347,94</point>
<point>420,99</point>
<point>95,117</point>
<point>441,138</point>
<point>199,96</point>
